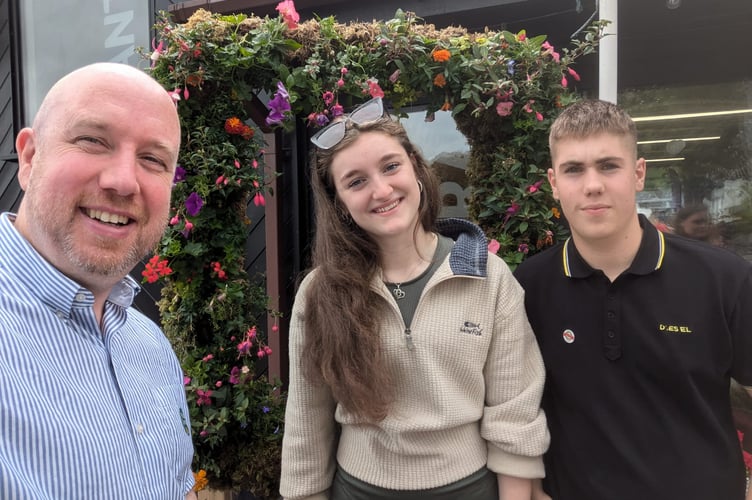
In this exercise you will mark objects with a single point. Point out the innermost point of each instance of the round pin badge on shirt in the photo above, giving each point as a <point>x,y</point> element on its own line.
<point>568,336</point>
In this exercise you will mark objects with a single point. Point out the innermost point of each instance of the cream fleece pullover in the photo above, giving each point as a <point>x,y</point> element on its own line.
<point>468,391</point>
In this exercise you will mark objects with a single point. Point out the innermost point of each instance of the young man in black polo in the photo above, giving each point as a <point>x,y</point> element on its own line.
<point>640,332</point>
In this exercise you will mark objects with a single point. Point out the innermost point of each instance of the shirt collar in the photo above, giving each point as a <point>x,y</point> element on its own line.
<point>649,256</point>
<point>26,266</point>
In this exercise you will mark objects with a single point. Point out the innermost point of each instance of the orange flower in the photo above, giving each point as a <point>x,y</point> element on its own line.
<point>194,80</point>
<point>447,106</point>
<point>439,80</point>
<point>556,212</point>
<point>247,133</point>
<point>233,125</point>
<point>201,481</point>
<point>441,55</point>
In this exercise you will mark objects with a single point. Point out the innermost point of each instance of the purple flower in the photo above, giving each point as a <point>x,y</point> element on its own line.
<point>282,91</point>
<point>337,110</point>
<point>279,106</point>
<point>265,409</point>
<point>244,347</point>
<point>193,204</point>
<point>510,66</point>
<point>179,175</point>
<point>235,375</point>
<point>321,119</point>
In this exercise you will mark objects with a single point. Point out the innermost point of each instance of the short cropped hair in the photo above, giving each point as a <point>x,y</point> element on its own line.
<point>589,117</point>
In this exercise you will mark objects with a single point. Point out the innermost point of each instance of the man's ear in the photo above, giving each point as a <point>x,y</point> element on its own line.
<point>26,147</point>
<point>552,181</point>
<point>640,172</point>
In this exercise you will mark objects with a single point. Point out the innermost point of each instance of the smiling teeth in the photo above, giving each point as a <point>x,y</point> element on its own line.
<point>107,217</point>
<point>386,209</point>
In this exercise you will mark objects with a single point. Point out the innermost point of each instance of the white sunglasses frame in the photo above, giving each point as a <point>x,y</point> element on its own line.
<point>337,128</point>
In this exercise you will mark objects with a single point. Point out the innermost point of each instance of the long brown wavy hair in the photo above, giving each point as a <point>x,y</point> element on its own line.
<point>343,346</point>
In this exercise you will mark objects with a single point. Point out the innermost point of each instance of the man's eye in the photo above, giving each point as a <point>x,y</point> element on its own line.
<point>88,139</point>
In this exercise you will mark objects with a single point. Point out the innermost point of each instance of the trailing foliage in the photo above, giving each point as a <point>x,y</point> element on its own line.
<point>502,88</point>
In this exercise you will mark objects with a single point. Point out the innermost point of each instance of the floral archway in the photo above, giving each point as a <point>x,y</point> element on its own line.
<point>503,90</point>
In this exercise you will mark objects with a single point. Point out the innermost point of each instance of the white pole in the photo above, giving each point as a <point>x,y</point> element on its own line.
<point>608,51</point>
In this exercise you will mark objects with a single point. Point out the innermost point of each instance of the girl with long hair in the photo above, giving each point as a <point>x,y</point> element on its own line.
<point>414,373</point>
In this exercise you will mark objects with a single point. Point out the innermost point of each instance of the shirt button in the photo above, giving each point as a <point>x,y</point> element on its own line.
<point>611,334</point>
<point>610,315</point>
<point>80,297</point>
<point>140,429</point>
<point>60,314</point>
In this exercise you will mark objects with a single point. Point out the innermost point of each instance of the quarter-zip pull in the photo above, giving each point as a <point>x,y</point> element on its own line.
<point>409,339</point>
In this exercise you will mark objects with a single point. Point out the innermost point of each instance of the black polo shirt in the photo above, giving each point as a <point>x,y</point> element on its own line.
<point>637,388</point>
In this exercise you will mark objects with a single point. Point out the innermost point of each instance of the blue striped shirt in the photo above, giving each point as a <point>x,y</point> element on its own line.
<point>85,413</point>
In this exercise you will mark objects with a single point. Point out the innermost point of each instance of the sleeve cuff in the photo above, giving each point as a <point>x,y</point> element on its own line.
<point>502,462</point>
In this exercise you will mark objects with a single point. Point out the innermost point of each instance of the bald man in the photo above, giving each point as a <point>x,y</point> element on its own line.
<point>92,404</point>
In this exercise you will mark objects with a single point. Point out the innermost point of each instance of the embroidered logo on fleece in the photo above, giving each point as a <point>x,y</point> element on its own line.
<point>471,328</point>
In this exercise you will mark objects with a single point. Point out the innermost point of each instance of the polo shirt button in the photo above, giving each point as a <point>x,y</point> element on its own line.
<point>611,315</point>
<point>80,297</point>
<point>611,334</point>
<point>140,429</point>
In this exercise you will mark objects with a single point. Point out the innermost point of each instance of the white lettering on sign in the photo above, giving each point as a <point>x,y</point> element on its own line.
<point>118,37</point>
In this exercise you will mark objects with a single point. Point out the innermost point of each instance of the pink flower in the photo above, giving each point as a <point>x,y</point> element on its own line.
<point>208,357</point>
<point>374,89</point>
<point>328,97</point>
<point>186,380</point>
<point>549,49</point>
<point>394,76</point>
<point>261,353</point>
<point>504,108</point>
<point>287,10</point>
<point>258,200</point>
<point>218,384</point>
<point>493,246</point>
<point>534,187</point>
<point>523,248</point>
<point>174,95</point>
<point>538,116</point>
<point>340,83</point>
<point>175,220</point>
<point>158,51</point>
<point>528,107</point>
<point>343,71</point>
<point>337,110</point>
<point>204,397</point>
<point>574,74</point>
<point>564,82</point>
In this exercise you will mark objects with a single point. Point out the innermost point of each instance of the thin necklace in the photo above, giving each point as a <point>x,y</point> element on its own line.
<point>398,292</point>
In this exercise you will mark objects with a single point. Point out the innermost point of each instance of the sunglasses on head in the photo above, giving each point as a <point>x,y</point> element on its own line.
<point>332,134</point>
